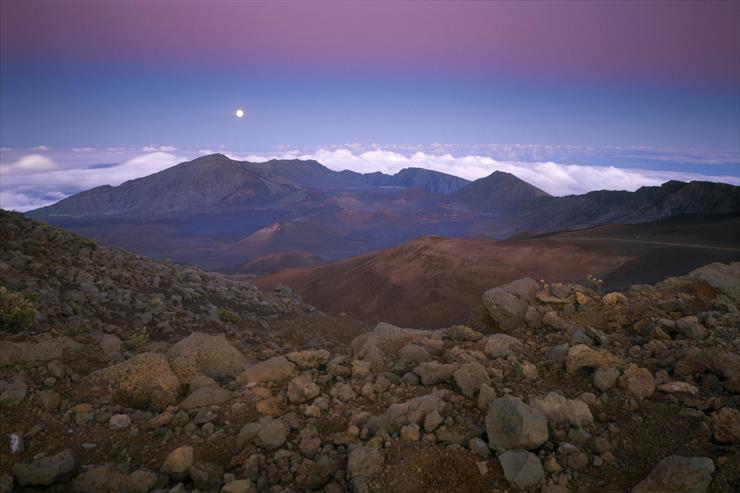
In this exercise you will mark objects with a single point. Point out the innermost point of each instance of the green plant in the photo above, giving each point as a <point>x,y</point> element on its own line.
<point>140,337</point>
<point>593,283</point>
<point>16,312</point>
<point>80,327</point>
<point>228,316</point>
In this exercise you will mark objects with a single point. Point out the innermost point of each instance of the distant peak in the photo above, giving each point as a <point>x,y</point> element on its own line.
<point>212,158</point>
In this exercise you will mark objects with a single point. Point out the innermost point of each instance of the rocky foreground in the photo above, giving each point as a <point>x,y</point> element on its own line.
<point>141,376</point>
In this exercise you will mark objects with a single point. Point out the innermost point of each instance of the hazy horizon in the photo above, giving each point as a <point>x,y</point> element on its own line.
<point>571,97</point>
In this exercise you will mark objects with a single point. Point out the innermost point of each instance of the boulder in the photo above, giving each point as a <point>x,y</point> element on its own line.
<point>302,389</point>
<point>413,353</point>
<point>638,382</point>
<point>414,410</point>
<point>22,353</point>
<point>110,344</point>
<point>211,355</point>
<point>206,476</point>
<point>678,474</point>
<point>14,393</point>
<point>605,378</point>
<point>434,372</point>
<point>723,277</point>
<point>309,359</point>
<point>268,433</point>
<point>206,396</point>
<point>271,370</point>
<point>239,486</point>
<point>46,470</point>
<point>106,478</point>
<point>470,376</point>
<point>143,371</point>
<point>725,425</point>
<point>380,346</point>
<point>178,462</point>
<point>558,409</point>
<point>505,309</point>
<point>512,424</point>
<point>364,461</point>
<point>582,356</point>
<point>521,468</point>
<point>500,345</point>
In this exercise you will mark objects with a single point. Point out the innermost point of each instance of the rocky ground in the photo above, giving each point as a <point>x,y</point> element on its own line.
<point>216,387</point>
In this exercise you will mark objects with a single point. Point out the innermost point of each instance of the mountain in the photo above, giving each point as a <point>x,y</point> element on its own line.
<point>303,236</point>
<point>203,211</point>
<point>499,192</point>
<point>274,262</point>
<point>216,182</point>
<point>432,282</point>
<point>431,181</point>
<point>207,183</point>
<point>673,198</point>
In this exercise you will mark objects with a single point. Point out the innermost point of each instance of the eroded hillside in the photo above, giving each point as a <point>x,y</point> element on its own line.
<point>558,388</point>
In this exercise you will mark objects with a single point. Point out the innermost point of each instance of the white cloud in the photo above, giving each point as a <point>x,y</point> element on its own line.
<point>158,149</point>
<point>28,181</point>
<point>31,163</point>
<point>40,148</point>
<point>83,149</point>
<point>554,178</point>
<point>30,189</point>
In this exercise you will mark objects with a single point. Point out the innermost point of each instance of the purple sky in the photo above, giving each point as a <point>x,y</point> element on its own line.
<point>651,86</point>
<point>638,42</point>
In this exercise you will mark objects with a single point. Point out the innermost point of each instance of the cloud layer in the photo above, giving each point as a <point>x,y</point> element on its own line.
<point>32,178</point>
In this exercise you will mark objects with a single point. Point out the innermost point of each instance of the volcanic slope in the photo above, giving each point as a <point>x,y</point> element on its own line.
<point>433,281</point>
<point>558,388</point>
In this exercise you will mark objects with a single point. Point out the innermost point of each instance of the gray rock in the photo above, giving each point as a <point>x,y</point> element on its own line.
<point>210,355</point>
<point>309,359</point>
<point>14,395</point>
<point>521,468</point>
<point>505,309</point>
<point>678,474</point>
<point>110,344</point>
<point>271,370</point>
<point>46,470</point>
<point>206,396</point>
<point>206,476</point>
<point>177,464</point>
<point>479,447</point>
<point>558,409</point>
<point>691,328</point>
<point>413,353</point>
<point>512,424</point>
<point>302,389</point>
<point>639,382</point>
<point>119,422</point>
<point>500,345</point>
<point>364,461</point>
<point>434,372</point>
<point>48,399</point>
<point>470,376</point>
<point>605,378</point>
<point>271,434</point>
<point>239,486</point>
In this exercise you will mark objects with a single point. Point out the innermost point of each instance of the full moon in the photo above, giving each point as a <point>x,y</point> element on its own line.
<point>239,113</point>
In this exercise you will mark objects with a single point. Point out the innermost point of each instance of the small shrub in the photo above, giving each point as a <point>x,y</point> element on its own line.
<point>140,337</point>
<point>593,283</point>
<point>81,327</point>
<point>228,316</point>
<point>16,312</point>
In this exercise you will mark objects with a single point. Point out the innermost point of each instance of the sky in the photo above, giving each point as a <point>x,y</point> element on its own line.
<point>571,96</point>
